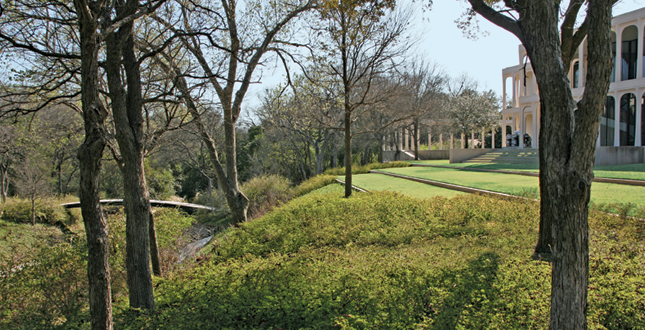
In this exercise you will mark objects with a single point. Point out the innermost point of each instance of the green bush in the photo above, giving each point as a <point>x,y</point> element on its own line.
<point>385,261</point>
<point>265,193</point>
<point>47,286</point>
<point>48,211</point>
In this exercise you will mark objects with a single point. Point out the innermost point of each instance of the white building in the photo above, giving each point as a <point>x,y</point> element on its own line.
<point>622,121</point>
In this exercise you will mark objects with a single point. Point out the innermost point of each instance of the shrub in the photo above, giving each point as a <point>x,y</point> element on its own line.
<point>265,193</point>
<point>48,211</point>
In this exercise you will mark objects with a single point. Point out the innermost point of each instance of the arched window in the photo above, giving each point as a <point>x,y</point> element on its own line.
<point>627,119</point>
<point>607,123</point>
<point>576,74</point>
<point>629,51</point>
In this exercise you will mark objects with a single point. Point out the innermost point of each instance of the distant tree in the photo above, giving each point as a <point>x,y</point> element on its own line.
<point>471,110</point>
<point>424,85</point>
<point>31,182</point>
<point>362,40</point>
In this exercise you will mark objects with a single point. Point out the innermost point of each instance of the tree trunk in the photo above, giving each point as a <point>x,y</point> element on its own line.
<point>348,152</point>
<point>33,208</point>
<point>334,158</point>
<point>416,140</point>
<point>567,149</point>
<point>128,122</point>
<point>381,148</point>
<point>3,183</point>
<point>90,154</point>
<point>154,247</point>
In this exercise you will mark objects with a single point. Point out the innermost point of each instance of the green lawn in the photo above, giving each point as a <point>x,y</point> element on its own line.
<point>629,171</point>
<point>601,193</point>
<point>380,182</point>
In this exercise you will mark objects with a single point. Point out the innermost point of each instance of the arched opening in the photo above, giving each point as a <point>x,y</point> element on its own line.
<point>576,74</point>
<point>613,56</point>
<point>629,52</point>
<point>627,119</point>
<point>508,93</point>
<point>607,123</point>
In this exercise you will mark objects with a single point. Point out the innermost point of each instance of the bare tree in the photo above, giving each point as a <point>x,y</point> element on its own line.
<point>228,44</point>
<point>64,42</point>
<point>362,42</point>
<point>568,132</point>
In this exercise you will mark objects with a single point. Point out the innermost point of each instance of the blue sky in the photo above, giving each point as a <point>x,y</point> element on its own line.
<point>442,42</point>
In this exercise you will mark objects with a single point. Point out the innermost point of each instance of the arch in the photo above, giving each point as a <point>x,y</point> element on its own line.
<point>607,123</point>
<point>627,119</point>
<point>613,56</point>
<point>629,42</point>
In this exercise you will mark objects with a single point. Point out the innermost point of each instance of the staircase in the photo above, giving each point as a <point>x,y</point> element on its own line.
<point>508,156</point>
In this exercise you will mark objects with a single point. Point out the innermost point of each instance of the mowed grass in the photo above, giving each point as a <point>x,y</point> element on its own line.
<point>601,193</point>
<point>381,182</point>
<point>628,171</point>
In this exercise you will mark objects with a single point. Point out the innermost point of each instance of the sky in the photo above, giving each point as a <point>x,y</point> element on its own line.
<point>441,41</point>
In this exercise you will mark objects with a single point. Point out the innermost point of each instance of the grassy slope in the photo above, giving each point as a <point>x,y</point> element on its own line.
<point>383,260</point>
<point>629,171</point>
<point>601,193</point>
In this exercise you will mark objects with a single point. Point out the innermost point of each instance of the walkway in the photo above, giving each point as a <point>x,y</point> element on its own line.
<point>187,207</point>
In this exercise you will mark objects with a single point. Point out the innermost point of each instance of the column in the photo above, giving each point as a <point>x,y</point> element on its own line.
<point>492,138</point>
<point>440,141</point>
<point>429,140</point>
<point>483,138</point>
<point>463,140</point>
<point>639,52</point>
<point>503,92</point>
<point>639,112</point>
<point>452,141</point>
<point>406,139</point>
<point>619,54</point>
<point>617,121</point>
<point>399,139</point>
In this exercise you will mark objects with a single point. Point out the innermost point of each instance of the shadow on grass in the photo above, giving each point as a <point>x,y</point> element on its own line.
<point>471,287</point>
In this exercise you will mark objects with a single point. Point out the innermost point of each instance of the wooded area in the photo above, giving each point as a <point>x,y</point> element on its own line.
<point>141,100</point>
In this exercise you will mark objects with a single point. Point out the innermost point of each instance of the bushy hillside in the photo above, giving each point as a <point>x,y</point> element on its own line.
<point>385,261</point>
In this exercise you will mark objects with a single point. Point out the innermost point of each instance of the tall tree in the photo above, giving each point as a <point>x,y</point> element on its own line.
<point>63,42</point>
<point>229,43</point>
<point>362,42</point>
<point>568,132</point>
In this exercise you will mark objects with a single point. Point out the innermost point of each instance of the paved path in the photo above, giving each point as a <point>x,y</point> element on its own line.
<point>537,174</point>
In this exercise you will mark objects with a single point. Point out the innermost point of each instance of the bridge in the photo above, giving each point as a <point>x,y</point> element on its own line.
<point>187,207</point>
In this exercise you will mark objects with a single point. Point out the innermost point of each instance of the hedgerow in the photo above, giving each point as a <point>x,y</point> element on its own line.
<point>358,169</point>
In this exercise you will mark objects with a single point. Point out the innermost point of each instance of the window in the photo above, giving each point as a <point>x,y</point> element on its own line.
<point>576,74</point>
<point>627,119</point>
<point>629,53</point>
<point>607,123</point>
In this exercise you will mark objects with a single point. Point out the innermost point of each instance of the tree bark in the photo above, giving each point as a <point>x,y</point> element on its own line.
<point>348,151</point>
<point>154,247</point>
<point>567,142</point>
<point>128,122</point>
<point>90,154</point>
